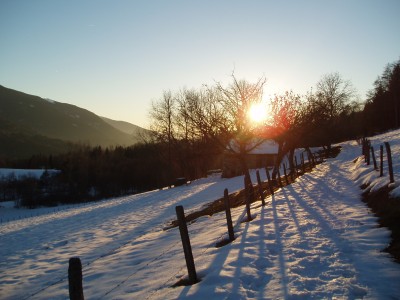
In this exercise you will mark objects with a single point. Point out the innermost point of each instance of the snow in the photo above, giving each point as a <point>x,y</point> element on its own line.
<point>313,239</point>
<point>366,175</point>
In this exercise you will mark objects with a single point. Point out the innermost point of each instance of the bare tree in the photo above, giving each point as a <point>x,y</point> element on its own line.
<point>179,122</point>
<point>333,98</point>
<point>288,125</point>
<point>162,114</point>
<point>334,95</point>
<point>216,115</point>
<point>230,107</point>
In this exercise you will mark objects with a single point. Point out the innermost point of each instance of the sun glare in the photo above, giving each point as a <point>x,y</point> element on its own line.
<point>258,113</point>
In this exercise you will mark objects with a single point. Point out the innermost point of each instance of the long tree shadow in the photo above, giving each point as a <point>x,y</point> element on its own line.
<point>319,188</point>
<point>316,254</point>
<point>281,258</point>
<point>212,274</point>
<point>292,212</point>
<point>128,226</point>
<point>330,225</point>
<point>228,272</point>
<point>263,260</point>
<point>319,213</point>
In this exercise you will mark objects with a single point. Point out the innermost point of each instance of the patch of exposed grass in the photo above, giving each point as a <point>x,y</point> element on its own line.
<point>388,212</point>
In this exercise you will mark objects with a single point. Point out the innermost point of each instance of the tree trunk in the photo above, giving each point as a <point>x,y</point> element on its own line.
<point>310,158</point>
<point>328,150</point>
<point>278,160</point>
<point>245,170</point>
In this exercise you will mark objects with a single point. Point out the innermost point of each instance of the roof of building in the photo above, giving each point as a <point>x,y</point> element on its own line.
<point>263,147</point>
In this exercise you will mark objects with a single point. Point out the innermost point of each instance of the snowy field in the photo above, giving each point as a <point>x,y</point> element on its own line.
<point>313,239</point>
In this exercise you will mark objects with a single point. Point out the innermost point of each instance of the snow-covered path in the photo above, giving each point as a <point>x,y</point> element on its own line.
<point>313,239</point>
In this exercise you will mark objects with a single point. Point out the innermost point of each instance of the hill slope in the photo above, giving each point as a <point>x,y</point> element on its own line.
<point>26,116</point>
<point>129,128</point>
<point>17,142</point>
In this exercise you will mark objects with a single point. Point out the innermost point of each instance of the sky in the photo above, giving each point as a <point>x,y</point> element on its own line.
<point>115,57</point>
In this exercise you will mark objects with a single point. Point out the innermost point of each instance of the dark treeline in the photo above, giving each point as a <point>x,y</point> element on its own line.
<point>382,109</point>
<point>92,173</point>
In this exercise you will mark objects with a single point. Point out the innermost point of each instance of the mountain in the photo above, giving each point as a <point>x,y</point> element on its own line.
<point>135,131</point>
<point>32,125</point>
<point>16,142</point>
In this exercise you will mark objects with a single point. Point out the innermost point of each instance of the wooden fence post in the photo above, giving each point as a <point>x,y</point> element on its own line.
<point>247,195</point>
<point>250,188</point>
<point>75,279</point>
<point>365,148</point>
<point>187,248</point>
<point>315,158</point>
<point>271,188</point>
<point>260,189</point>
<point>373,158</point>
<point>302,163</point>
<point>284,172</point>
<point>310,158</point>
<point>228,215</point>
<point>381,162</point>
<point>279,178</point>
<point>390,163</point>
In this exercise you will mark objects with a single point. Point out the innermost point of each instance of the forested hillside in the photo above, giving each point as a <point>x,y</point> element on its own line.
<point>31,125</point>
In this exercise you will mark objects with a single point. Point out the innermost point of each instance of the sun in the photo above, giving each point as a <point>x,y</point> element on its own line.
<point>257,113</point>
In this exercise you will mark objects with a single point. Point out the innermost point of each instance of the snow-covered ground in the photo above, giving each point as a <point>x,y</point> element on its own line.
<point>312,239</point>
<point>367,175</point>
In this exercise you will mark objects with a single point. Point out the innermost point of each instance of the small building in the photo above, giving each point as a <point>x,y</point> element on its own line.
<point>261,156</point>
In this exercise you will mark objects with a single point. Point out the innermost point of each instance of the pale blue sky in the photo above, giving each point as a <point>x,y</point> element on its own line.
<point>115,57</point>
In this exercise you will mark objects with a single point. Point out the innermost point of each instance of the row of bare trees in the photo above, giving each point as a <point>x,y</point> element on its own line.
<point>218,116</point>
<point>213,115</point>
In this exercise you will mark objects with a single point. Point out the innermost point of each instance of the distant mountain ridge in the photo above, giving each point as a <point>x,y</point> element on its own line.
<point>33,125</point>
<point>129,128</point>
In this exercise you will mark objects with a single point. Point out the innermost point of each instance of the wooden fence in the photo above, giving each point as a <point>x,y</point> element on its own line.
<point>250,197</point>
<point>368,152</point>
<point>263,188</point>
